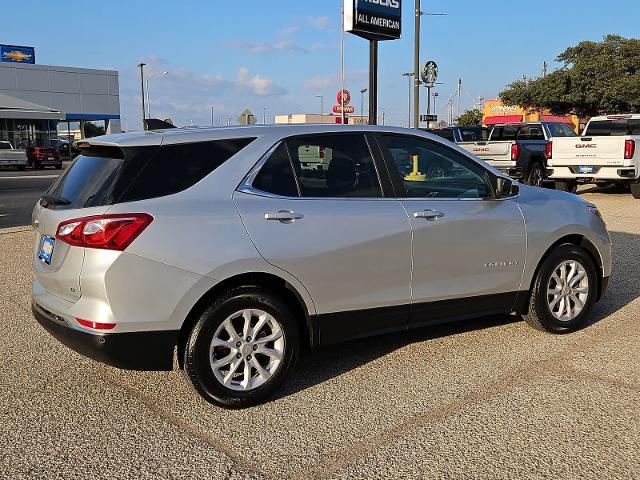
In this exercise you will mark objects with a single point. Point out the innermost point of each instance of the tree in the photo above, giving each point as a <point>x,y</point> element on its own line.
<point>470,117</point>
<point>595,78</point>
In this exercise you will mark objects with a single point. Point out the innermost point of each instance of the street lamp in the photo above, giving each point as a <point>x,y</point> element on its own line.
<point>321,97</point>
<point>264,115</point>
<point>148,101</point>
<point>144,112</point>
<point>416,60</point>
<point>362,92</point>
<point>213,115</point>
<point>408,75</point>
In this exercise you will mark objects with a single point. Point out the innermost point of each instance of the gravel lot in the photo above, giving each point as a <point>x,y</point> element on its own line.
<point>490,398</point>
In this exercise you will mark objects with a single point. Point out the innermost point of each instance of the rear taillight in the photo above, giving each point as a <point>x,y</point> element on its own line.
<point>548,151</point>
<point>629,149</point>
<point>109,232</point>
<point>96,325</point>
<point>515,152</point>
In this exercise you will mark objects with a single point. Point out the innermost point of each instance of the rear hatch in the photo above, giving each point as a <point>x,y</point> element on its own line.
<point>46,153</point>
<point>84,189</point>
<point>495,153</point>
<point>588,151</point>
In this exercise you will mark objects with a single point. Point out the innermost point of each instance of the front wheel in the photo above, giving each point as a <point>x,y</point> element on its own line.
<point>565,186</point>
<point>242,347</point>
<point>536,175</point>
<point>635,189</point>
<point>564,291</point>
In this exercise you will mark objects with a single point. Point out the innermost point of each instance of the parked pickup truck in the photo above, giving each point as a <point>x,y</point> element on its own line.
<point>519,149</point>
<point>605,153</point>
<point>463,133</point>
<point>11,157</point>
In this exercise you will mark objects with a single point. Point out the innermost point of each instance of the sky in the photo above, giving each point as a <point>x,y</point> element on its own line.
<point>274,57</point>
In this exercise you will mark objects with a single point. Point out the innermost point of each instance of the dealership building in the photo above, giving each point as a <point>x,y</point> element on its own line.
<point>38,101</point>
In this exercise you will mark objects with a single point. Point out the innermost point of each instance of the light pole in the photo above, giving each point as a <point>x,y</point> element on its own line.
<point>149,101</point>
<point>408,75</point>
<point>321,97</point>
<point>416,60</point>
<point>362,92</point>
<point>213,115</point>
<point>264,115</point>
<point>141,65</point>
<point>384,114</point>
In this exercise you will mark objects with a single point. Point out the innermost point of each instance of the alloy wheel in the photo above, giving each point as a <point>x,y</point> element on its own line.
<point>247,349</point>
<point>567,290</point>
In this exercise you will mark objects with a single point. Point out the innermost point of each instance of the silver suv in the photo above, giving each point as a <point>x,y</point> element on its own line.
<point>216,244</point>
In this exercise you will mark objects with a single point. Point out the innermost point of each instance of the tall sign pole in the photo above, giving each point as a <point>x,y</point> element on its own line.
<point>416,66</point>
<point>373,82</point>
<point>374,21</point>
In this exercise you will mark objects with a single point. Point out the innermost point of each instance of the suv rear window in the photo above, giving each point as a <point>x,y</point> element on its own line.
<point>108,175</point>
<point>615,128</point>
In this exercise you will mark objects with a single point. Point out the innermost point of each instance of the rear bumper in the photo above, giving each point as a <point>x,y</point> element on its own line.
<point>130,350</point>
<point>513,172</point>
<point>615,173</point>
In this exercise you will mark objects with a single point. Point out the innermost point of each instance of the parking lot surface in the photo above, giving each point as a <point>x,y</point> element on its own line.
<point>489,398</point>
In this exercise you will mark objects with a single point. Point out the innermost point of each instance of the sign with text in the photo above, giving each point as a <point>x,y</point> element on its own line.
<point>347,109</point>
<point>16,54</point>
<point>373,19</point>
<point>428,118</point>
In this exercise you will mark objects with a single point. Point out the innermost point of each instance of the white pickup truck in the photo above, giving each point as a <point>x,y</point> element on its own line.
<point>605,153</point>
<point>12,157</point>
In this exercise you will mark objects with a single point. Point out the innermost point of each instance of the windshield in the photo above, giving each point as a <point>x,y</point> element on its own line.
<point>612,128</point>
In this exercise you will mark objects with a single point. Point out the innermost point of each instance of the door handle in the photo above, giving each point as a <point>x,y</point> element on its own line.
<point>284,216</point>
<point>431,215</point>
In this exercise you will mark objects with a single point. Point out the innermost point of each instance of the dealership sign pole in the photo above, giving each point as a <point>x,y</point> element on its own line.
<point>374,20</point>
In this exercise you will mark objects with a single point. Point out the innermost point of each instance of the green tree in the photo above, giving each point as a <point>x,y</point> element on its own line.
<point>595,78</point>
<point>470,117</point>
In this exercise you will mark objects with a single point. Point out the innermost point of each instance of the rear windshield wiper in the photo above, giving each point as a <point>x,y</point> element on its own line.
<point>54,200</point>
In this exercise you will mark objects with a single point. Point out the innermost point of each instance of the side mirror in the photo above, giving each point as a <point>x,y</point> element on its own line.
<point>505,187</point>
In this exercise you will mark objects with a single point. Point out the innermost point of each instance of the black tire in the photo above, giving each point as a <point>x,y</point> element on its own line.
<point>197,365</point>
<point>59,166</point>
<point>540,316</point>
<point>21,168</point>
<point>635,189</point>
<point>37,165</point>
<point>564,186</point>
<point>536,175</point>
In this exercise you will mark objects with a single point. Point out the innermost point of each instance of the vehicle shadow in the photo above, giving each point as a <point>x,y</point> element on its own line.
<point>329,362</point>
<point>325,363</point>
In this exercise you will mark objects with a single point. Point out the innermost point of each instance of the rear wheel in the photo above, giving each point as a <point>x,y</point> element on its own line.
<point>566,186</point>
<point>242,347</point>
<point>635,189</point>
<point>564,291</point>
<point>37,165</point>
<point>21,167</point>
<point>536,175</point>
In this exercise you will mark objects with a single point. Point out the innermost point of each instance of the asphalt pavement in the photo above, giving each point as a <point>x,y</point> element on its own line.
<point>483,399</point>
<point>19,192</point>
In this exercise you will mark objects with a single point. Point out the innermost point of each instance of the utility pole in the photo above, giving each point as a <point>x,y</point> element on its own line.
<point>544,69</point>
<point>459,95</point>
<point>408,75</point>
<point>141,65</point>
<point>362,92</point>
<point>416,66</point>
<point>213,115</point>
<point>264,115</point>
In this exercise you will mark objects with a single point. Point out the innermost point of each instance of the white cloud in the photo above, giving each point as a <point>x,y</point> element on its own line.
<point>265,47</point>
<point>320,82</point>
<point>258,85</point>
<point>321,23</point>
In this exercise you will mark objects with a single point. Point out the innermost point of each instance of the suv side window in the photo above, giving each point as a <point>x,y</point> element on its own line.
<point>427,169</point>
<point>276,175</point>
<point>334,166</point>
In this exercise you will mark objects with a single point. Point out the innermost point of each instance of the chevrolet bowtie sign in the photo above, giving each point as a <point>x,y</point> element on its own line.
<point>373,19</point>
